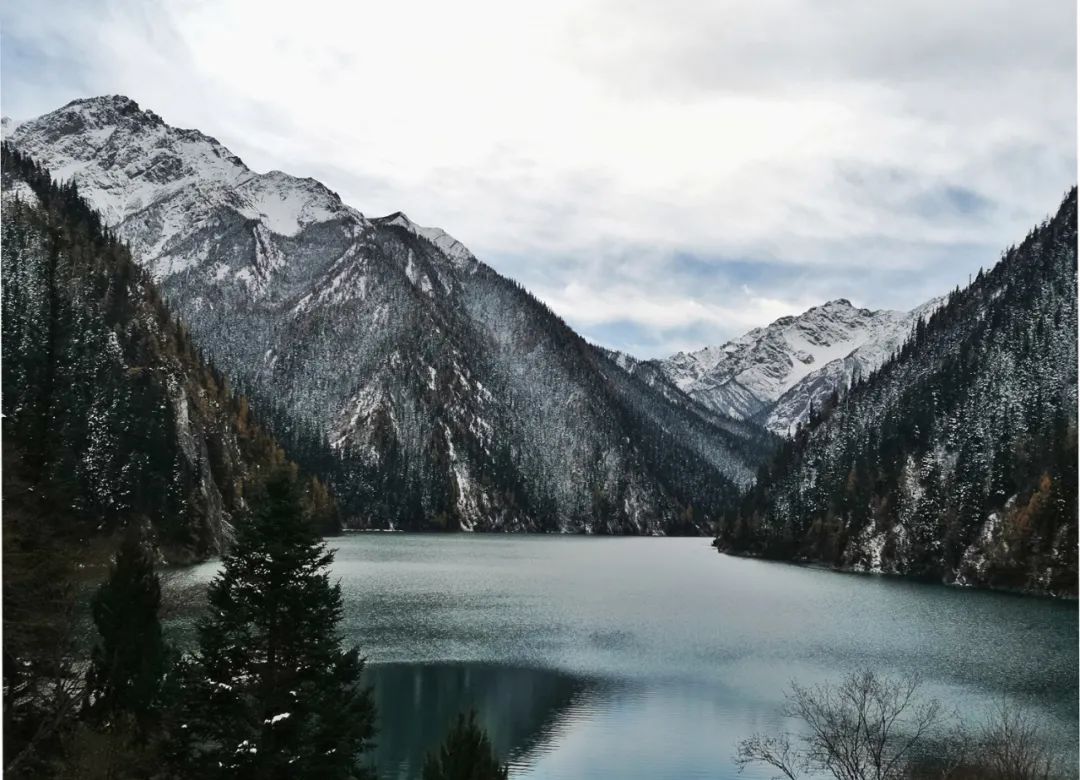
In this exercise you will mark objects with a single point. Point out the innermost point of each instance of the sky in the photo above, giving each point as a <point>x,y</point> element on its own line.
<point>663,175</point>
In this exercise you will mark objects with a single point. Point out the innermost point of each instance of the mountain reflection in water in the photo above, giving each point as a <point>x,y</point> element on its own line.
<point>519,707</point>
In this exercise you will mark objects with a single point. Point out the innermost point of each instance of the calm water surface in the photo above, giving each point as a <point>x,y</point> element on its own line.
<point>650,658</point>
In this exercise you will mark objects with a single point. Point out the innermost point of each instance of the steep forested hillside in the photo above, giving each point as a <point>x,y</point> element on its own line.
<point>110,413</point>
<point>429,390</point>
<point>957,460</point>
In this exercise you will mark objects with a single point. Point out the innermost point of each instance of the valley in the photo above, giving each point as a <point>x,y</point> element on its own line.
<point>558,391</point>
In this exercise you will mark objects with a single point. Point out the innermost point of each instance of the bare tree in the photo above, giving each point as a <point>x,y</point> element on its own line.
<point>1011,747</point>
<point>868,727</point>
<point>775,751</point>
<point>864,728</point>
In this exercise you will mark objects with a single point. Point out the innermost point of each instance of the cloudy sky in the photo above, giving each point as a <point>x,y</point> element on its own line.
<point>664,175</point>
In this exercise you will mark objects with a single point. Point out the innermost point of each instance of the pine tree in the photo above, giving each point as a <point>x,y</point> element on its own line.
<point>270,693</point>
<point>940,455</point>
<point>129,662</point>
<point>466,754</point>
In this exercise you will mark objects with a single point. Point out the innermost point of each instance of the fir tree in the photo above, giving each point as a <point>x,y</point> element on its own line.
<point>129,662</point>
<point>956,459</point>
<point>270,693</point>
<point>466,754</point>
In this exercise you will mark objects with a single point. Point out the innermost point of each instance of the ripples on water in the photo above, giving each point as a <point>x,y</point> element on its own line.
<point>651,658</point>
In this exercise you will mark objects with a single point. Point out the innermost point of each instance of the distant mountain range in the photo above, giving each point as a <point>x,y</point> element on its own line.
<point>774,376</point>
<point>431,391</point>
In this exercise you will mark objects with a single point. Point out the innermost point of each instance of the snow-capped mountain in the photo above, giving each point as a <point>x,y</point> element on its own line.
<point>429,389</point>
<point>957,459</point>
<point>774,375</point>
<point>110,415</point>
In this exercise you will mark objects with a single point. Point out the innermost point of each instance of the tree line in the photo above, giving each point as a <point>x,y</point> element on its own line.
<point>119,433</point>
<point>110,409</point>
<point>269,691</point>
<point>956,460</point>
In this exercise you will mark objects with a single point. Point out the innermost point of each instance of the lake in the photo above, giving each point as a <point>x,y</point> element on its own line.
<point>639,658</point>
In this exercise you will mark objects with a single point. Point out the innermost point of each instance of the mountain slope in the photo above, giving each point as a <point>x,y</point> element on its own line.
<point>110,414</point>
<point>957,460</point>
<point>431,391</point>
<point>775,375</point>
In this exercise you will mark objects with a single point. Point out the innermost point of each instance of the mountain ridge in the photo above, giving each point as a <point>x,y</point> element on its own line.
<point>431,390</point>
<point>775,375</point>
<point>956,460</point>
<point>111,416</point>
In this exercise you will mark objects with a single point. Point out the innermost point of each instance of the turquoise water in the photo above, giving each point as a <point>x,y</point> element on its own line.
<point>650,658</point>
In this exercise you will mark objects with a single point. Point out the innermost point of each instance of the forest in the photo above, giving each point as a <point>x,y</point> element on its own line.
<point>957,460</point>
<point>125,446</point>
<point>128,448</point>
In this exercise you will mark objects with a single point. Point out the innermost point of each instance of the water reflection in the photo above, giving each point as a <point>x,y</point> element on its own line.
<point>647,659</point>
<point>520,708</point>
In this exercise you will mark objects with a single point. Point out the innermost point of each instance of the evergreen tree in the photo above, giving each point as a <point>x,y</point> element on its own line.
<point>106,389</point>
<point>129,662</point>
<point>956,459</point>
<point>270,693</point>
<point>466,754</point>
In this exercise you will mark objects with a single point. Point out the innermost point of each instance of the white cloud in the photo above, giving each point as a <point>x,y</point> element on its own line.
<point>583,147</point>
<point>665,311</point>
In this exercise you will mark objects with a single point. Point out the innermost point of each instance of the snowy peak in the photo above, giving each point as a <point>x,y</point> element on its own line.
<point>286,204</point>
<point>823,348</point>
<point>101,117</point>
<point>446,243</point>
<point>772,359</point>
<point>133,167</point>
<point>108,111</point>
<point>958,462</point>
<point>822,331</point>
<point>426,388</point>
<point>155,181</point>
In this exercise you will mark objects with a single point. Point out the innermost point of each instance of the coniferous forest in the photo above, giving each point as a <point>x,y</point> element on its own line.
<point>111,412</point>
<point>123,444</point>
<point>956,461</point>
<point>142,431</point>
<point>428,391</point>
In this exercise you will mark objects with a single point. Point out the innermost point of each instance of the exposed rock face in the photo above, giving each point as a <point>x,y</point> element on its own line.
<point>957,460</point>
<point>430,390</point>
<point>111,418</point>
<point>774,375</point>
